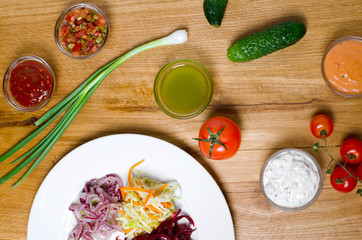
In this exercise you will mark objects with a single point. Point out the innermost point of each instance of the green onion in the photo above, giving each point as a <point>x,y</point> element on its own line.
<point>71,45</point>
<point>74,102</point>
<point>99,39</point>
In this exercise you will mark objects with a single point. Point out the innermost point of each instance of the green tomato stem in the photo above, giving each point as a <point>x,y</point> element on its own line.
<point>333,160</point>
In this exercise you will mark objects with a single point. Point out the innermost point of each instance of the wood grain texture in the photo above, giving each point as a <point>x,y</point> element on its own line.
<point>272,99</point>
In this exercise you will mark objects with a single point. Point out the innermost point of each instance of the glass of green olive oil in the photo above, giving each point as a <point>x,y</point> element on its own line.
<point>183,88</point>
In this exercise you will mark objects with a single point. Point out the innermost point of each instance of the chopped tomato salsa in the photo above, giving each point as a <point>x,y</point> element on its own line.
<point>82,32</point>
<point>30,83</point>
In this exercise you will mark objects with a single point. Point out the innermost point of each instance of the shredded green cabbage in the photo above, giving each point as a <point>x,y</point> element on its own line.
<point>143,211</point>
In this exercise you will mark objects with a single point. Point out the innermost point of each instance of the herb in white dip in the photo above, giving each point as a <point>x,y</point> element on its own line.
<point>291,179</point>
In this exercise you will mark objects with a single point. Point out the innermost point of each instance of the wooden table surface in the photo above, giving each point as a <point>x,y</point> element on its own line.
<point>272,99</point>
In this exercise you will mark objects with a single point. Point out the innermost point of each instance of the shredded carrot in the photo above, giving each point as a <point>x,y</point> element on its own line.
<point>123,212</point>
<point>130,173</point>
<point>139,183</point>
<point>167,204</point>
<point>161,189</point>
<point>153,217</point>
<point>136,189</point>
<point>137,204</point>
<point>148,197</point>
<point>127,230</point>
<point>123,193</point>
<point>151,207</point>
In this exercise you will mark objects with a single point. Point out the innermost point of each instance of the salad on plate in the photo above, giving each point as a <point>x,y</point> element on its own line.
<point>143,210</point>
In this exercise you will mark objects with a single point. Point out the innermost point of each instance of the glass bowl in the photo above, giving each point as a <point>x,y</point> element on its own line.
<point>183,88</point>
<point>7,86</point>
<point>325,72</point>
<point>91,41</point>
<point>298,154</point>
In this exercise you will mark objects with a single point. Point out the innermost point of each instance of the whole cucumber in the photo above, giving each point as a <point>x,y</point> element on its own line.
<point>214,11</point>
<point>265,42</point>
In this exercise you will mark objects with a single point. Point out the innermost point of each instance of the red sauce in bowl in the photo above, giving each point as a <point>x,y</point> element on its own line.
<point>30,83</point>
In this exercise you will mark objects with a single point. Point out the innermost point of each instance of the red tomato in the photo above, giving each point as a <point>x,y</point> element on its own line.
<point>83,13</point>
<point>69,17</point>
<point>347,184</point>
<point>359,171</point>
<point>101,20</point>
<point>351,151</point>
<point>64,29</point>
<point>225,132</point>
<point>319,123</point>
<point>94,49</point>
<point>77,47</point>
<point>80,34</point>
<point>90,25</point>
<point>76,54</point>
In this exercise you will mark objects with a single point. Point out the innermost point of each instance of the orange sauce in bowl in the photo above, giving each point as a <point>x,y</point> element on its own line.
<point>343,67</point>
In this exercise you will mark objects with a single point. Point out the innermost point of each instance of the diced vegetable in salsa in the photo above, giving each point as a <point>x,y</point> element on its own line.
<point>82,32</point>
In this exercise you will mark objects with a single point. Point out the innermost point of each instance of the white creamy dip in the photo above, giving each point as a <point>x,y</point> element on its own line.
<point>291,179</point>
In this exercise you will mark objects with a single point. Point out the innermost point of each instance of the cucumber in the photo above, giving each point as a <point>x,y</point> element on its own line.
<point>214,11</point>
<point>265,42</point>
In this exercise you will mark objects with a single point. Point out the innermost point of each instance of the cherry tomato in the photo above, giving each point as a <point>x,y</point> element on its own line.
<point>351,151</point>
<point>359,171</point>
<point>319,123</point>
<point>341,181</point>
<point>219,138</point>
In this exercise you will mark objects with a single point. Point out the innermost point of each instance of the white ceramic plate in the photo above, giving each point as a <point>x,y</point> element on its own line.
<point>201,197</point>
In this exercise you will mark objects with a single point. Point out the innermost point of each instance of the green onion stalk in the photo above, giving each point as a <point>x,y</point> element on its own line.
<point>73,103</point>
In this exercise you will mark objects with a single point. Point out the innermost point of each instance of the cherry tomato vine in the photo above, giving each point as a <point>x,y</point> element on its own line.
<point>329,171</point>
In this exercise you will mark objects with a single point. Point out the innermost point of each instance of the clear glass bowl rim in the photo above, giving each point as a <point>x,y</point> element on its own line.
<point>7,93</point>
<point>320,184</point>
<point>60,19</point>
<point>329,48</point>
